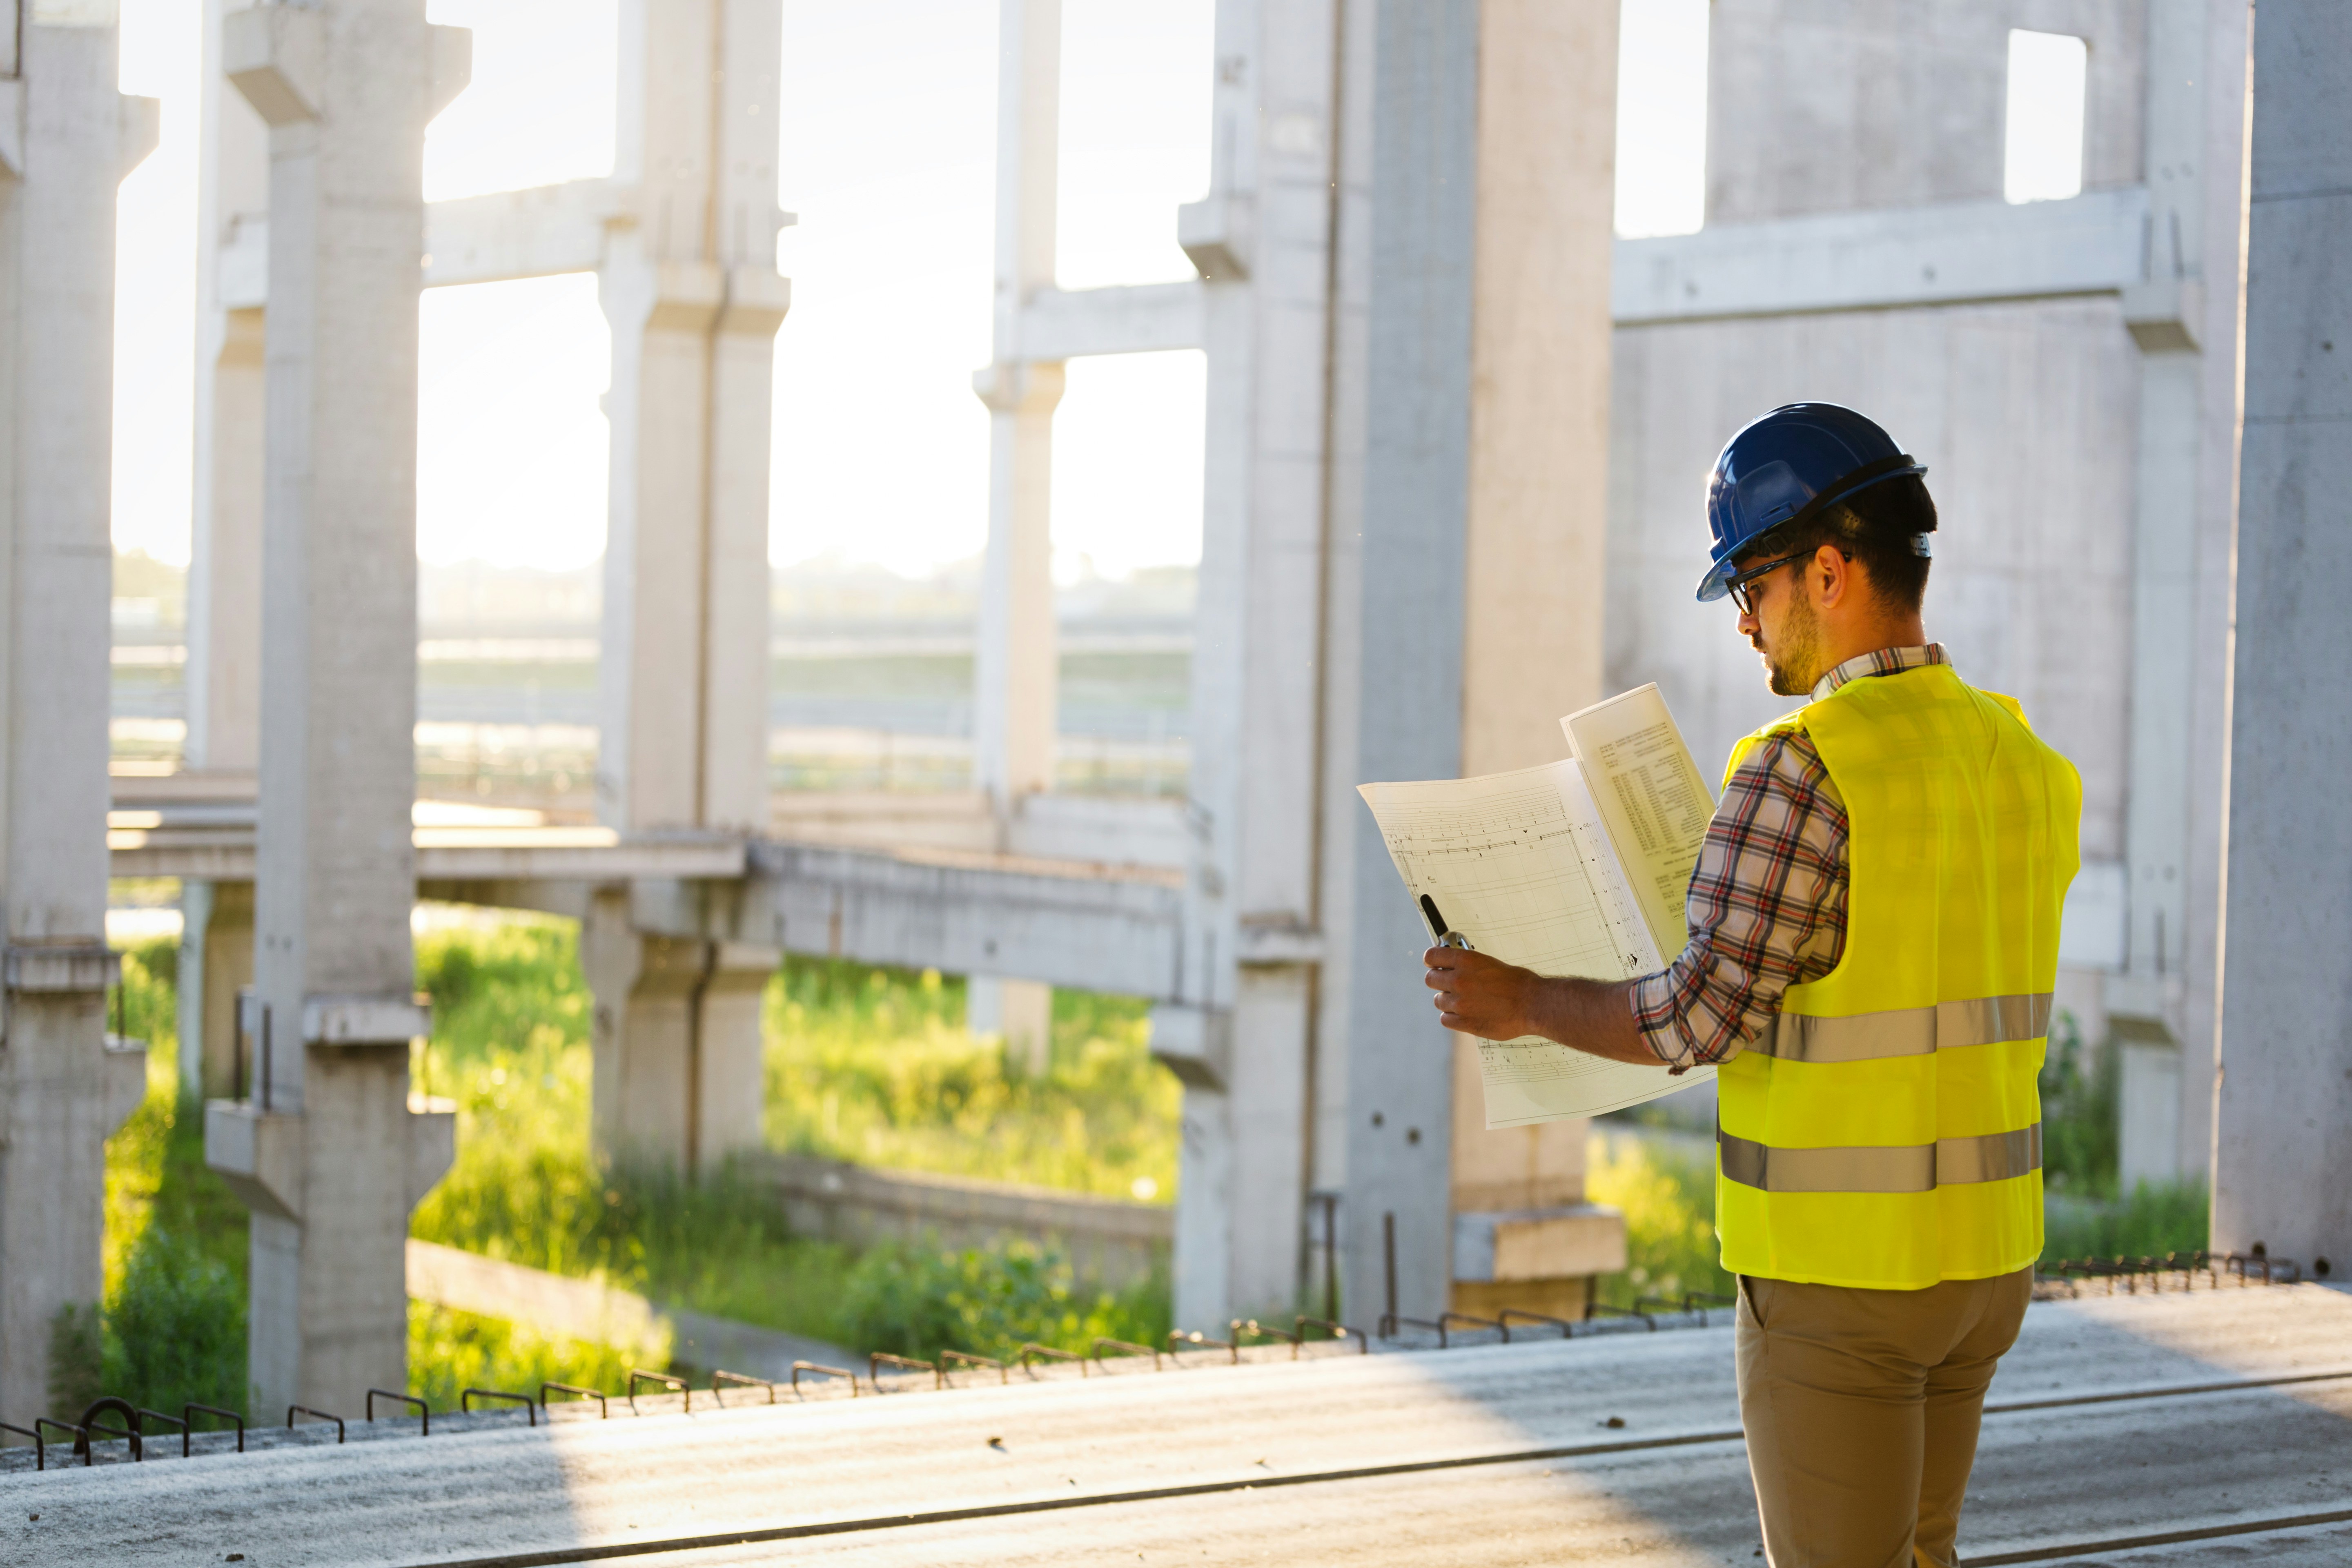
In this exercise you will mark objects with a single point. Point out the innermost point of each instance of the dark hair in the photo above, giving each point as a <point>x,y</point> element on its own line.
<point>1876,527</point>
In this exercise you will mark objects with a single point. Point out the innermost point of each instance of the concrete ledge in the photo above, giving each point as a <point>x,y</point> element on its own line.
<point>1502,1246</point>
<point>258,1153</point>
<point>63,968</point>
<point>1112,1242</point>
<point>364,1020</point>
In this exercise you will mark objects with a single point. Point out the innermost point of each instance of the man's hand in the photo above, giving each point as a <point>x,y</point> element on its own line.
<point>1481,995</point>
<point>1496,1001</point>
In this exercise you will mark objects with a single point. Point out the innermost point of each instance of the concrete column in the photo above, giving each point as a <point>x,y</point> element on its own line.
<point>1245,1044</point>
<point>2147,1002</point>
<point>1478,582</point>
<point>224,670</point>
<point>1410,670</point>
<point>2282,1167</point>
<point>677,1062</point>
<point>1020,1013</point>
<point>328,1152</point>
<point>72,138</point>
<point>691,291</point>
<point>1016,672</point>
<point>1535,565</point>
<point>2221,339</point>
<point>216,963</point>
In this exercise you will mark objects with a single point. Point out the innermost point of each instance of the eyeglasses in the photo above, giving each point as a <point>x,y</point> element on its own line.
<point>1741,588</point>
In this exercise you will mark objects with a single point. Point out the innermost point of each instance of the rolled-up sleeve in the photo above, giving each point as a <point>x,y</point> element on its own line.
<point>1766,908</point>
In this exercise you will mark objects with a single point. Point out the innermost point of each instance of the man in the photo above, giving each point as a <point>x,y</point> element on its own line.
<point>1873,937</point>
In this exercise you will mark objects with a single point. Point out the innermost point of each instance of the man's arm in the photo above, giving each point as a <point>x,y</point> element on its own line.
<point>1496,1001</point>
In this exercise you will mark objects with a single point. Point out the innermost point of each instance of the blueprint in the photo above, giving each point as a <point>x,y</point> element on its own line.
<point>1523,864</point>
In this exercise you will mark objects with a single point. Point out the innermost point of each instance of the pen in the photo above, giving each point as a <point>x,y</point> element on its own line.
<point>1446,937</point>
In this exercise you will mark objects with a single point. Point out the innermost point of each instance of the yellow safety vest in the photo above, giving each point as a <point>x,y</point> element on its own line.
<point>1885,1130</point>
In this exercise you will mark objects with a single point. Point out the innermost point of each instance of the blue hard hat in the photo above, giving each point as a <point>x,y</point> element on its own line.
<point>1786,467</point>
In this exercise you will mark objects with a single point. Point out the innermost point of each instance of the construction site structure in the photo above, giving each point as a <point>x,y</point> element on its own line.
<point>1455,437</point>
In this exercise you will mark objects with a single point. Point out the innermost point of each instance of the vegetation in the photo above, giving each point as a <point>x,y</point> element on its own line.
<point>1668,1197</point>
<point>862,1064</point>
<point>173,1327</point>
<point>875,1066</point>
<point>2154,1219</point>
<point>2085,1214</point>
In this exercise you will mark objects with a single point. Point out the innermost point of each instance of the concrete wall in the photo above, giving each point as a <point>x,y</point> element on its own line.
<point>1831,105</point>
<point>2026,417</point>
<point>1110,1242</point>
<point>2282,1167</point>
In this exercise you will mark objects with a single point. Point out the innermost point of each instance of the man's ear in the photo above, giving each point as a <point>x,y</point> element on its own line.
<point>1835,572</point>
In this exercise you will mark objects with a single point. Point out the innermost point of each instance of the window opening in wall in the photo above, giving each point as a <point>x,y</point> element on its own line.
<point>2048,73</point>
<point>1661,117</point>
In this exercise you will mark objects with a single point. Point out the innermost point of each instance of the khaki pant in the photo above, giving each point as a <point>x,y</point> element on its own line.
<point>1861,1409</point>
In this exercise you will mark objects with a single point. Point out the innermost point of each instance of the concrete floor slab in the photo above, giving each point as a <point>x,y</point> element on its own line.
<point>1256,1448</point>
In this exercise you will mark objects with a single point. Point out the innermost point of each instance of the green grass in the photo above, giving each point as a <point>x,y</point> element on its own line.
<point>173,1327</point>
<point>862,1064</point>
<point>875,1066</point>
<point>2153,1220</point>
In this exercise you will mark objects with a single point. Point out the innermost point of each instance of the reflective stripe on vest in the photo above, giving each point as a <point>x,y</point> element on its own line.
<point>1902,1168</point>
<point>1905,1031</point>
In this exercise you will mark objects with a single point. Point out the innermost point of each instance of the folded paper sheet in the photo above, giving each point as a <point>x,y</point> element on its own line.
<point>1575,868</point>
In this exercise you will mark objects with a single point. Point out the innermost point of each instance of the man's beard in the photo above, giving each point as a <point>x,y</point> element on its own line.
<point>1795,666</point>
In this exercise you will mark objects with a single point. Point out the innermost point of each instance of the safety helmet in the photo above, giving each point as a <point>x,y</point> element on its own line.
<point>1785,468</point>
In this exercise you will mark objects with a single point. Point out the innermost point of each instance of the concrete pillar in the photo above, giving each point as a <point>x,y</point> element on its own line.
<point>1245,1044</point>
<point>691,291</point>
<point>1408,673</point>
<point>2220,339</point>
<point>1013,669</point>
<point>1533,558</point>
<point>2283,1165</point>
<point>678,1068</point>
<point>1480,588</point>
<point>216,963</point>
<point>1020,1013</point>
<point>1015,674</point>
<point>327,1152</point>
<point>2150,1000</point>
<point>71,137</point>
<point>223,668</point>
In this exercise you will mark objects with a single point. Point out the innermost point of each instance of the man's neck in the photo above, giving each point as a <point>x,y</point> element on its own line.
<point>1844,643</point>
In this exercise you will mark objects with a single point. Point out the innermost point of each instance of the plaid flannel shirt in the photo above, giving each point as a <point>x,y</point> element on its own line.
<point>1767,900</point>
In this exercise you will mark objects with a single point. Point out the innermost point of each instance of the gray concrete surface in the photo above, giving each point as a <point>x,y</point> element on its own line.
<point>2282,1167</point>
<point>71,138</point>
<point>2084,1472</point>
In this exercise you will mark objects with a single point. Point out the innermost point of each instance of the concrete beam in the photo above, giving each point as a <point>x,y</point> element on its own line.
<point>441,854</point>
<point>1885,257</point>
<point>1146,318</point>
<point>1882,258</point>
<point>534,233</point>
<point>1085,927</point>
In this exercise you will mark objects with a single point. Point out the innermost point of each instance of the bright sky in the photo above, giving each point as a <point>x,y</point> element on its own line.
<point>888,158</point>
